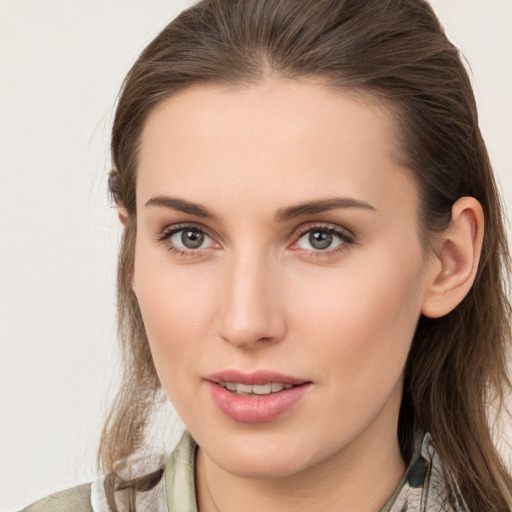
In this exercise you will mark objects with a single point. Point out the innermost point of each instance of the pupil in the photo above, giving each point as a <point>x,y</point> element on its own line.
<point>320,240</point>
<point>192,239</point>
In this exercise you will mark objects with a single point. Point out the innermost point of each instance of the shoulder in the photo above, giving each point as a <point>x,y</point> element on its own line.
<point>76,499</point>
<point>168,487</point>
<point>427,483</point>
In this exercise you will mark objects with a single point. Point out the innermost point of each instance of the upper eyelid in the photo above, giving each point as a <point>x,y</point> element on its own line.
<point>176,228</point>
<point>299,232</point>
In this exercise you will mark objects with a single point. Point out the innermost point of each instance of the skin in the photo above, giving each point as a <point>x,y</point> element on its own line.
<point>258,295</point>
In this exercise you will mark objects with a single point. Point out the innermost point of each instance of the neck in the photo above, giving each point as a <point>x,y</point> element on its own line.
<point>360,477</point>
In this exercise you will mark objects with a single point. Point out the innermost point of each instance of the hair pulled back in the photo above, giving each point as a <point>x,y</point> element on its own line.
<point>396,52</point>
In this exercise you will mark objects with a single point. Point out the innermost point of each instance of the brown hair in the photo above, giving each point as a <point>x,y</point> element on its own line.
<point>396,51</point>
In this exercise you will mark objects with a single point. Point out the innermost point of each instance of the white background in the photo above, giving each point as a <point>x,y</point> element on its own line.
<point>61,65</point>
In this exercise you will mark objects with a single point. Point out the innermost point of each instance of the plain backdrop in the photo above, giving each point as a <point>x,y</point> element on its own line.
<point>61,65</point>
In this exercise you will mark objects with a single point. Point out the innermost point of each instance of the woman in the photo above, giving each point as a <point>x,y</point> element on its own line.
<point>312,267</point>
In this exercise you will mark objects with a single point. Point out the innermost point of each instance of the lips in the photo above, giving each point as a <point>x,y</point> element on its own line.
<point>256,397</point>
<point>258,377</point>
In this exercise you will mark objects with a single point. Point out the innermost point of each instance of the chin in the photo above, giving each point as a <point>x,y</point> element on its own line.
<point>267,465</point>
<point>269,454</point>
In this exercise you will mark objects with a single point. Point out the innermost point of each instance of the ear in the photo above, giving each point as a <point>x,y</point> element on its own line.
<point>122,214</point>
<point>453,266</point>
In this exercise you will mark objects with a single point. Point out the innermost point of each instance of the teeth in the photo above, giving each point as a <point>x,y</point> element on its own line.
<point>243,388</point>
<point>256,389</point>
<point>262,389</point>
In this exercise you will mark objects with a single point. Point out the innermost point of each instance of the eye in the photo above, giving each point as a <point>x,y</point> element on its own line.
<point>186,240</point>
<point>323,239</point>
<point>190,238</point>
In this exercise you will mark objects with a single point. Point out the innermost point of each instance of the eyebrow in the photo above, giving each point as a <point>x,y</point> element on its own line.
<point>181,205</point>
<point>320,206</point>
<point>299,210</point>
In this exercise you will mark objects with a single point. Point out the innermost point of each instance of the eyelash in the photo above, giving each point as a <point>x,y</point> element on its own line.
<point>168,232</point>
<point>345,236</point>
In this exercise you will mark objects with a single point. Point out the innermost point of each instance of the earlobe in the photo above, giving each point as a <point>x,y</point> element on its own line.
<point>455,262</point>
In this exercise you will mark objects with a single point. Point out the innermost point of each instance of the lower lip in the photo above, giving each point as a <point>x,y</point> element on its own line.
<point>256,408</point>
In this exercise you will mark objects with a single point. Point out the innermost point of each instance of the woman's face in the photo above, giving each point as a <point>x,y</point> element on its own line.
<point>279,271</point>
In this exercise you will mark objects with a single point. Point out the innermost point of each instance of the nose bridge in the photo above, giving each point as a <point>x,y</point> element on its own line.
<point>251,311</point>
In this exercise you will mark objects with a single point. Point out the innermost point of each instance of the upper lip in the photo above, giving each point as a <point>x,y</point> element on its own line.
<point>254,378</point>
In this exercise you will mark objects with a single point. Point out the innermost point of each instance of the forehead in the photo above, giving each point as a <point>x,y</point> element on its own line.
<point>302,137</point>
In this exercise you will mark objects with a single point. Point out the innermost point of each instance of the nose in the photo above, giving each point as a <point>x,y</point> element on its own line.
<point>251,306</point>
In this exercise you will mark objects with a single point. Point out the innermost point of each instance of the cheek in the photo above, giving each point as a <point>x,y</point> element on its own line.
<point>176,303</point>
<point>364,317</point>
<point>357,330</point>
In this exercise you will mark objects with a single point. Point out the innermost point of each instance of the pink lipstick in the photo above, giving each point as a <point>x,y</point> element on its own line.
<point>255,397</point>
